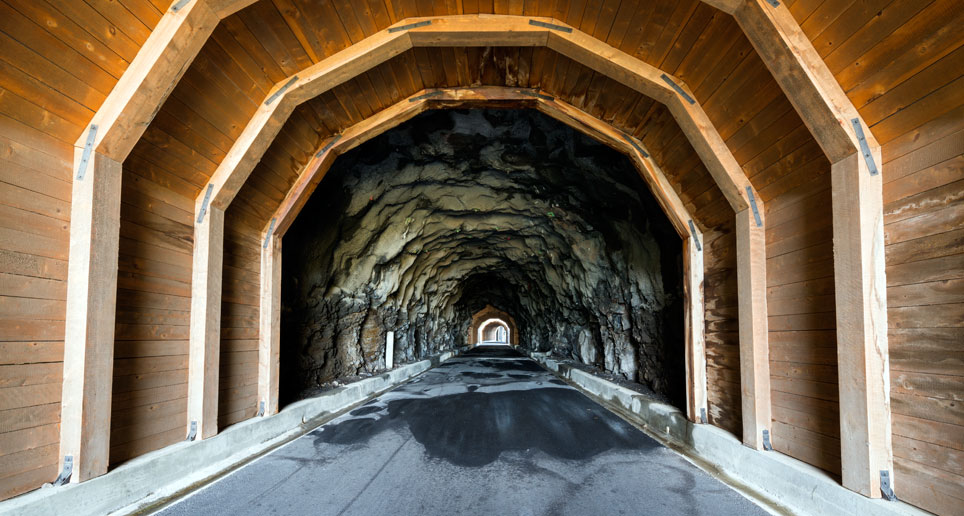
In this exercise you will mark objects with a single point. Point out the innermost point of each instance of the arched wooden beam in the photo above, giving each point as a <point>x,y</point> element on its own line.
<point>497,30</point>
<point>95,221</point>
<point>859,282</point>
<point>481,97</point>
<point>475,30</point>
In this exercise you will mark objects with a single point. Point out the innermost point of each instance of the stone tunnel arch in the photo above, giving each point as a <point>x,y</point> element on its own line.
<point>488,316</point>
<point>494,331</point>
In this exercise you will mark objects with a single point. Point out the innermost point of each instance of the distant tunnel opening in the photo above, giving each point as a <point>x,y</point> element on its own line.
<point>456,212</point>
<point>494,332</point>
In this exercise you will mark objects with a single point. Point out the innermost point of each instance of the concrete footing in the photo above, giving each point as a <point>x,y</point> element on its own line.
<point>785,483</point>
<point>156,476</point>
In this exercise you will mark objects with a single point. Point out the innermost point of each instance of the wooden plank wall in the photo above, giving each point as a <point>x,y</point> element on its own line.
<point>60,59</point>
<point>901,65</point>
<point>162,177</point>
<point>237,397</point>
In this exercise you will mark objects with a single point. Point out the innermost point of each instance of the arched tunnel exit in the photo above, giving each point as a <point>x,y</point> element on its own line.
<point>421,228</point>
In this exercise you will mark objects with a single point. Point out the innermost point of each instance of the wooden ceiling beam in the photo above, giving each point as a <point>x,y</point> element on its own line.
<point>482,97</point>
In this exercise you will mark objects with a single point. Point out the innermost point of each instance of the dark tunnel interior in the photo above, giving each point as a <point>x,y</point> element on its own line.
<point>420,228</point>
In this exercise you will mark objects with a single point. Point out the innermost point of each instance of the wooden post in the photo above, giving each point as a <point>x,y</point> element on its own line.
<point>269,336</point>
<point>95,227</point>
<point>858,237</point>
<point>694,328</point>
<point>754,353</point>
<point>862,357</point>
<point>91,296</point>
<point>203,362</point>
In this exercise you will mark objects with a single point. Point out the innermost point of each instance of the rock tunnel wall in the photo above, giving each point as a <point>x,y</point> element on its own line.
<point>422,227</point>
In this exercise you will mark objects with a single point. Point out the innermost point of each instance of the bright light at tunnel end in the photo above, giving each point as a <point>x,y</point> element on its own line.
<point>503,337</point>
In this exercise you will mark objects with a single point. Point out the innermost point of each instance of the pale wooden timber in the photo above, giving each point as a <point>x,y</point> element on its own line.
<point>95,224</point>
<point>754,352</point>
<point>225,8</point>
<point>694,328</point>
<point>89,330</point>
<point>666,196</point>
<point>861,296</point>
<point>859,282</point>
<point>205,333</point>
<point>269,336</point>
<point>750,263</point>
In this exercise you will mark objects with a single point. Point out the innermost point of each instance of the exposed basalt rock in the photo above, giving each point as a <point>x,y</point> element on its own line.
<point>422,227</point>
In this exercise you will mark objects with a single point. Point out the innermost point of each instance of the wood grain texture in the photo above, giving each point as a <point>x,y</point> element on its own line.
<point>896,64</point>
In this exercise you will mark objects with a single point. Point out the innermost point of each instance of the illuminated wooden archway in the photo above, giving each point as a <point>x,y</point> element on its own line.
<point>858,260</point>
<point>314,172</point>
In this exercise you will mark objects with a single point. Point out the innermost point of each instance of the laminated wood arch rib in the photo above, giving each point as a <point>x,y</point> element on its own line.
<point>488,30</point>
<point>858,228</point>
<point>95,221</point>
<point>612,64</point>
<point>315,170</point>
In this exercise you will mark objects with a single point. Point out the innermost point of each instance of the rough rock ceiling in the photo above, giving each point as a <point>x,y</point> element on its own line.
<point>424,226</point>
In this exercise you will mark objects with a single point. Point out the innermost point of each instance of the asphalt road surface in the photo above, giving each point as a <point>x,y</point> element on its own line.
<point>486,433</point>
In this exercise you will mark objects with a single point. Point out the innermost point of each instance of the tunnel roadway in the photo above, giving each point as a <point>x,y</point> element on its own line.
<point>486,433</point>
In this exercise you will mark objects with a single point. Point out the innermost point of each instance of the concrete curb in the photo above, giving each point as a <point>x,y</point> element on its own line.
<point>155,476</point>
<point>781,480</point>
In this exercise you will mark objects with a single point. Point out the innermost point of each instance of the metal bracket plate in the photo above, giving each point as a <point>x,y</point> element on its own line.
<point>703,415</point>
<point>88,148</point>
<point>885,490</point>
<point>331,143</point>
<point>426,96</point>
<point>267,237</point>
<point>68,470</point>
<point>766,441</point>
<point>552,26</point>
<point>756,211</point>
<point>204,203</point>
<point>415,25</point>
<point>699,247</point>
<point>639,149</point>
<point>192,432</point>
<point>864,148</point>
<point>260,408</point>
<point>678,88</point>
<point>179,5</point>
<point>536,94</point>
<point>274,96</point>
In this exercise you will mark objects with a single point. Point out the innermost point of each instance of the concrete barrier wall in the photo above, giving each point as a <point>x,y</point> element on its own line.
<point>158,475</point>
<point>783,481</point>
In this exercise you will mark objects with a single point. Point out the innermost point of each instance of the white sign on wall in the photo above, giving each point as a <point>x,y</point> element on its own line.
<point>389,349</point>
